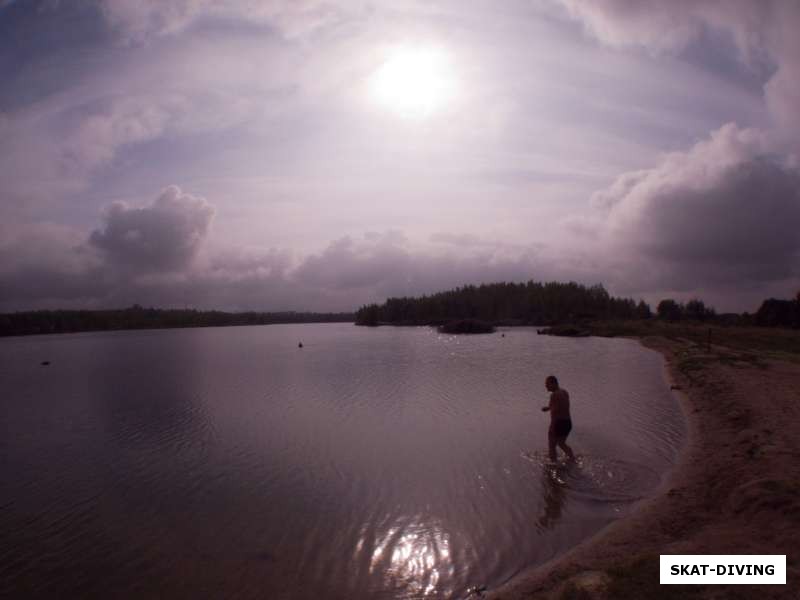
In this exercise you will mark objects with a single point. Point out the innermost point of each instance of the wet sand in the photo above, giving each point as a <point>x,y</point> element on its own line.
<point>735,489</point>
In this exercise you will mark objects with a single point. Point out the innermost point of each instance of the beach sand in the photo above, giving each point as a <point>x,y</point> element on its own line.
<point>734,490</point>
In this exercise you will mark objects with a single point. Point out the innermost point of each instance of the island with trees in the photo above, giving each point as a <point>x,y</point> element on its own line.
<point>570,309</point>
<point>531,303</point>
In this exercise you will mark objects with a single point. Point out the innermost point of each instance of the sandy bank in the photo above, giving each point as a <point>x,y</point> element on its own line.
<point>735,490</point>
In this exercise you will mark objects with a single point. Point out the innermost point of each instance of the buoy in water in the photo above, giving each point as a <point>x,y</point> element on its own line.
<point>300,345</point>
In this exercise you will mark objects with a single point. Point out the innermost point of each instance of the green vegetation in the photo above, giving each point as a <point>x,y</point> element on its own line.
<point>136,317</point>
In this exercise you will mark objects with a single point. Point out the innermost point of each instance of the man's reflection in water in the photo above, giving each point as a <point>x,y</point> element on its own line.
<point>554,494</point>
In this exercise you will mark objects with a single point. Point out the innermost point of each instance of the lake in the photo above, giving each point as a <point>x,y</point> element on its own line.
<point>370,463</point>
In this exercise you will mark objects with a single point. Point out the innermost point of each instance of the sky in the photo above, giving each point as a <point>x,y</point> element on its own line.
<point>321,155</point>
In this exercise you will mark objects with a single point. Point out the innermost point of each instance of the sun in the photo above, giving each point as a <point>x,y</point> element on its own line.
<point>414,82</point>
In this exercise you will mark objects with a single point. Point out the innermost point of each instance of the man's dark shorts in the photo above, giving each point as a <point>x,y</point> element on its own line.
<point>562,427</point>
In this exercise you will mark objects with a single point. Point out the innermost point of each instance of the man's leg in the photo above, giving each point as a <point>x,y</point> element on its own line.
<point>551,442</point>
<point>562,443</point>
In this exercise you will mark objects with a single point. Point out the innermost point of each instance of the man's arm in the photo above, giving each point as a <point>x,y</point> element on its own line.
<point>549,406</point>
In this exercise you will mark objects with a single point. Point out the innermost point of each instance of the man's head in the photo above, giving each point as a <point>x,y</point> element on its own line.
<point>551,383</point>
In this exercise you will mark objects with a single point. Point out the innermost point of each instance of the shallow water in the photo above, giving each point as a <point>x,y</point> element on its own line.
<point>376,463</point>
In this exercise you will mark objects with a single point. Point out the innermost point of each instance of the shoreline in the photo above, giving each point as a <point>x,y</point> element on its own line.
<point>734,489</point>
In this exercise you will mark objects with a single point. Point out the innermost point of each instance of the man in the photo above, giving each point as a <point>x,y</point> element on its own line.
<point>560,421</point>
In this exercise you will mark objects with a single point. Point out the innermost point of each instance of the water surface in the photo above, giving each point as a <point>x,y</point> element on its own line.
<point>370,463</point>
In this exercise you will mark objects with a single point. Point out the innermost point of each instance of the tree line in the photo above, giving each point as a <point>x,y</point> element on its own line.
<point>695,310</point>
<point>137,317</point>
<point>555,303</point>
<point>772,313</point>
<point>779,313</point>
<point>531,303</point>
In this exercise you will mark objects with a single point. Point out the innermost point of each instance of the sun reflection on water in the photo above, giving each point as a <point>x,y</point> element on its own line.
<point>414,556</point>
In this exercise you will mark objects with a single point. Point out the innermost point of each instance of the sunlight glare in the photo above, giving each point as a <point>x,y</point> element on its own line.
<point>413,82</point>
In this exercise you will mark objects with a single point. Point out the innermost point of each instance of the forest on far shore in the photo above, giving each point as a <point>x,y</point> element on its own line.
<point>509,304</point>
<point>137,317</point>
<point>556,303</point>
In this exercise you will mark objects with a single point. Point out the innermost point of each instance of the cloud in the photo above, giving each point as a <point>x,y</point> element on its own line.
<point>47,265</point>
<point>50,151</point>
<point>763,32</point>
<point>274,130</point>
<point>652,24</point>
<point>462,240</point>
<point>721,217</point>
<point>669,26</point>
<point>144,255</point>
<point>357,271</point>
<point>783,96</point>
<point>347,264</point>
<point>724,212</point>
<point>96,132</point>
<point>160,255</point>
<point>138,20</point>
<point>164,236</point>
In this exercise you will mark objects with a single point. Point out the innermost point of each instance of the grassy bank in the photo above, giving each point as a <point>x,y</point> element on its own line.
<point>769,342</point>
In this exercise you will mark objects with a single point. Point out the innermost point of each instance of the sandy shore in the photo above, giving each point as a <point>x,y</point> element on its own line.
<point>735,489</point>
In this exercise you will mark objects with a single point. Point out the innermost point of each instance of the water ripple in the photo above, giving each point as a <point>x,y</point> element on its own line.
<point>378,463</point>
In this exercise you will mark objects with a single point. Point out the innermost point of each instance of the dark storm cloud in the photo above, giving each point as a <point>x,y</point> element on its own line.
<point>164,236</point>
<point>725,211</point>
<point>46,265</point>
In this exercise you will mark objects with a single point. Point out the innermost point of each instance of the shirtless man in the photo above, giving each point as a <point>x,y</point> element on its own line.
<point>560,421</point>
